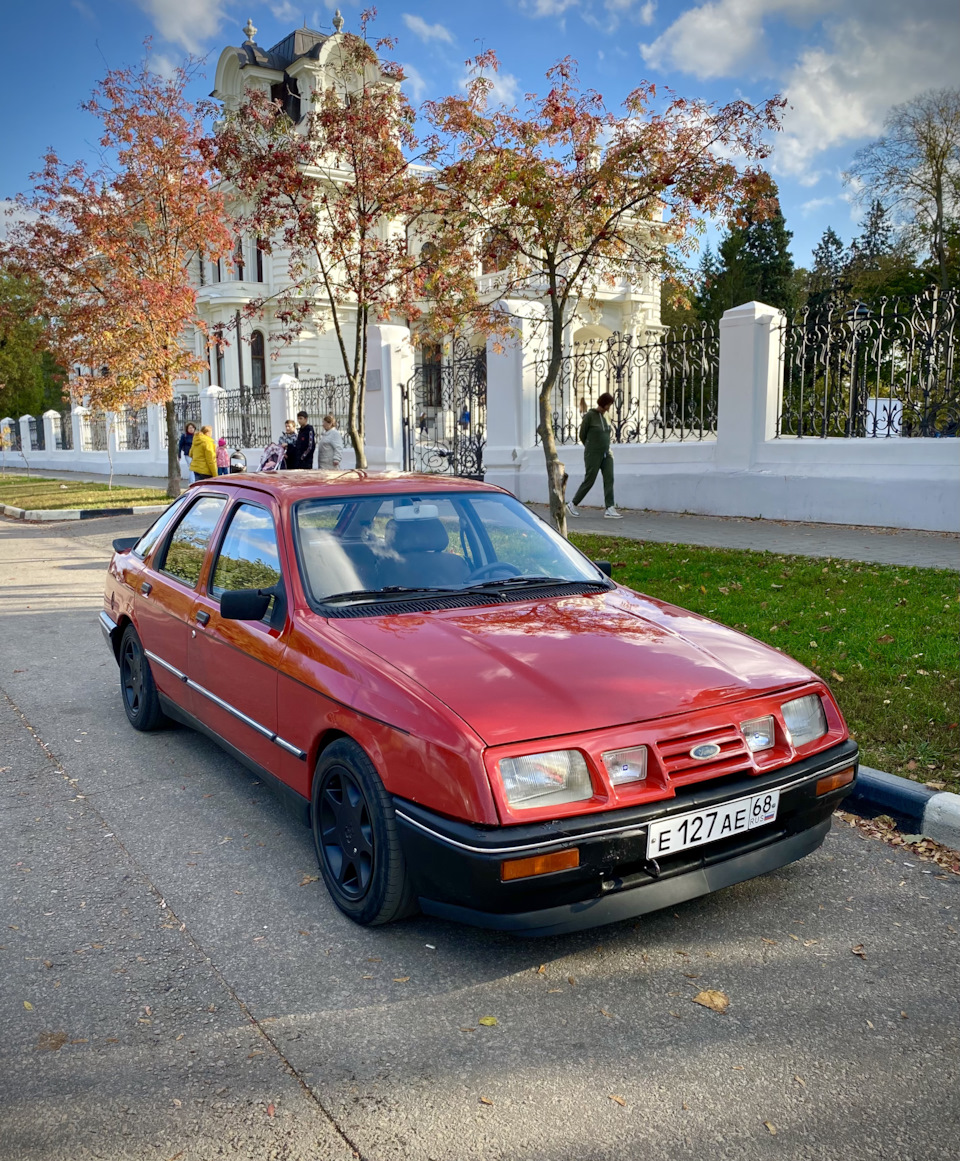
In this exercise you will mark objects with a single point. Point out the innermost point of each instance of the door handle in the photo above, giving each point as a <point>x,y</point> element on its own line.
<point>145,588</point>
<point>203,618</point>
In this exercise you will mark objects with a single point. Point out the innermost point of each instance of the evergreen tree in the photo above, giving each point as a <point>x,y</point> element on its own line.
<point>875,240</point>
<point>828,270</point>
<point>753,263</point>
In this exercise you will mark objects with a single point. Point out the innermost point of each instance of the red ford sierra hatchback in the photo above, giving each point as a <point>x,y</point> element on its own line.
<point>471,716</point>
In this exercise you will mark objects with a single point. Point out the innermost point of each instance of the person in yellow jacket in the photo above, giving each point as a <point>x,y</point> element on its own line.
<point>203,455</point>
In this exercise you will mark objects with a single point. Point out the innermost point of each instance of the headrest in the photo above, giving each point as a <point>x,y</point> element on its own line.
<point>416,536</point>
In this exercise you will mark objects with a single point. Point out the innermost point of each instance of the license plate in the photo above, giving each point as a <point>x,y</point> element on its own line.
<point>707,826</point>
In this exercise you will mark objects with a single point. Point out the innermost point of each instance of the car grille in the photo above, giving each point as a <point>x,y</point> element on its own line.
<point>681,768</point>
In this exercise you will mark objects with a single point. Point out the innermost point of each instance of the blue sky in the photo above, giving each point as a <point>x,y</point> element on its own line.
<point>840,63</point>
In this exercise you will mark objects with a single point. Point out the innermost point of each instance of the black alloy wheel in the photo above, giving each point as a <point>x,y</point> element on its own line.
<point>137,688</point>
<point>355,833</point>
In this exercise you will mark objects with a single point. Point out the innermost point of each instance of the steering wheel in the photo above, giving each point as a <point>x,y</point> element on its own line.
<point>496,570</point>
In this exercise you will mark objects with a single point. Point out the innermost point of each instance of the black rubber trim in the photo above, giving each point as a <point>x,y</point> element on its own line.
<point>629,903</point>
<point>294,802</point>
<point>468,600</point>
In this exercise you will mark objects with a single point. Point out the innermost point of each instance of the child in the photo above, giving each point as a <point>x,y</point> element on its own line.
<point>286,441</point>
<point>223,457</point>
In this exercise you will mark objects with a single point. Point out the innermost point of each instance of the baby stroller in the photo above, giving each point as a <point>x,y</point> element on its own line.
<point>272,458</point>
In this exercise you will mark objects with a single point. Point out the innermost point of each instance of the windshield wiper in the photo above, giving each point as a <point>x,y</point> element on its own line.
<point>521,582</point>
<point>389,591</point>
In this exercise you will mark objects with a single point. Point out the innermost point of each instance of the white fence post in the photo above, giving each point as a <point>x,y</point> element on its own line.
<point>25,440</point>
<point>78,416</point>
<point>749,387</point>
<point>156,431</point>
<point>389,369</point>
<point>52,440</point>
<point>512,396</point>
<point>209,411</point>
<point>282,405</point>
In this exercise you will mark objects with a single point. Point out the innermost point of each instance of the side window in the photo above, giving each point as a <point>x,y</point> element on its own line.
<point>183,558</point>
<point>248,557</point>
<point>144,545</point>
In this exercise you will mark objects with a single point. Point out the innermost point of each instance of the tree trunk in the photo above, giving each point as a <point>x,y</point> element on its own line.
<point>556,475</point>
<point>173,460</point>
<point>358,390</point>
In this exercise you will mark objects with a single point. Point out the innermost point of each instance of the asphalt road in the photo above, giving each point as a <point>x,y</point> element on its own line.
<point>174,982</point>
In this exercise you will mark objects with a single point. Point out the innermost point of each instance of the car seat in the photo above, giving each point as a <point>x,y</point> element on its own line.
<point>421,556</point>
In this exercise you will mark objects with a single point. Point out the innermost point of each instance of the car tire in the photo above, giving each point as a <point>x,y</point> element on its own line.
<point>356,838</point>
<point>138,691</point>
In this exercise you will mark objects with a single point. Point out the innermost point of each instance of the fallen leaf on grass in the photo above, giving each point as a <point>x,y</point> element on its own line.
<point>617,1100</point>
<point>715,1001</point>
<point>857,949</point>
<point>836,676</point>
<point>771,1129</point>
<point>885,639</point>
<point>488,1021</point>
<point>486,1101</point>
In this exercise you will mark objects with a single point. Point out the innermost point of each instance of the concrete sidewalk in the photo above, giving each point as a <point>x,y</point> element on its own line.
<point>875,545</point>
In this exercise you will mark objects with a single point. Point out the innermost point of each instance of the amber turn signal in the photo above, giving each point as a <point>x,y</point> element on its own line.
<point>539,864</point>
<point>835,781</point>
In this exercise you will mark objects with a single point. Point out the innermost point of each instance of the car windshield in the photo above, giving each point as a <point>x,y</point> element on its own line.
<point>368,547</point>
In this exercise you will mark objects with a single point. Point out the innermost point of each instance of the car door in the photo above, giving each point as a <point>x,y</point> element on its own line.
<point>233,664</point>
<point>167,591</point>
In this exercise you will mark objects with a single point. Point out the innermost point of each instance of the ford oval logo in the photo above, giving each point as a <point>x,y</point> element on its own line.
<point>704,751</point>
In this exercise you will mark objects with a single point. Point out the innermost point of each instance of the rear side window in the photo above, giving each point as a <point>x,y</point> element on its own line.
<point>145,544</point>
<point>184,554</point>
<point>249,557</point>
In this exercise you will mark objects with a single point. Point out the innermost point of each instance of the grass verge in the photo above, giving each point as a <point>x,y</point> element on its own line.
<point>31,492</point>
<point>884,638</point>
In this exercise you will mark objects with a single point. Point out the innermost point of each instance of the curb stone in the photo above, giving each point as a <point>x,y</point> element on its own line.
<point>42,515</point>
<point>933,813</point>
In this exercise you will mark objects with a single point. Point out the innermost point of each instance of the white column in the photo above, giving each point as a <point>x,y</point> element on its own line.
<point>209,411</point>
<point>512,395</point>
<point>6,430</point>
<point>112,420</point>
<point>389,370</point>
<point>282,403</point>
<point>156,430</point>
<point>25,441</point>
<point>51,430</point>
<point>749,388</point>
<point>78,415</point>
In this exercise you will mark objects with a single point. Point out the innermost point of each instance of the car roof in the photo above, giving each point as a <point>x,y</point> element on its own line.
<point>291,486</point>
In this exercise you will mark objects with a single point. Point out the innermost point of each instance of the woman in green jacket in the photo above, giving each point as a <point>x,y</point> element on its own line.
<point>595,437</point>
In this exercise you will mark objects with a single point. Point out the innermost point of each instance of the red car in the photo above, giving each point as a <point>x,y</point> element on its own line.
<point>472,717</point>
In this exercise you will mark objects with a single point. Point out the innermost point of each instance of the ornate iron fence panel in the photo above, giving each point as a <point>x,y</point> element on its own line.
<point>445,414</point>
<point>65,434</point>
<point>37,435</point>
<point>132,429</point>
<point>326,395</point>
<point>245,417</point>
<point>663,389</point>
<point>14,439</point>
<point>886,371</point>
<point>96,439</point>
<point>186,409</point>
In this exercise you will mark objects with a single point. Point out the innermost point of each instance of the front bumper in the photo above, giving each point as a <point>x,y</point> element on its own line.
<point>456,866</point>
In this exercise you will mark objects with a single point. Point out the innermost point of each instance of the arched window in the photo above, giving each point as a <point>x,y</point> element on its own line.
<point>238,259</point>
<point>428,256</point>
<point>259,262</point>
<point>258,360</point>
<point>217,350</point>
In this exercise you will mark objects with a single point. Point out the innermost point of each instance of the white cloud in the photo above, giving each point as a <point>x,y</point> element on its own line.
<point>605,16</point>
<point>287,12</point>
<point>163,65</point>
<point>815,204</point>
<point>84,9</point>
<point>505,88</point>
<point>191,23</point>
<point>648,11</point>
<point>415,80</point>
<point>866,56</point>
<point>427,32</point>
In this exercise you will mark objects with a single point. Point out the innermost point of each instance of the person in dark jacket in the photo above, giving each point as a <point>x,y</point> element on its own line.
<point>184,447</point>
<point>301,454</point>
<point>595,437</point>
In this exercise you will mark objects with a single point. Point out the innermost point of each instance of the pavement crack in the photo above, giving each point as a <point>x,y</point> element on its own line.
<point>170,914</point>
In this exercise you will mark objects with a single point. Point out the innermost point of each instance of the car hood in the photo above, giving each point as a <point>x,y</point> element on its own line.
<point>537,669</point>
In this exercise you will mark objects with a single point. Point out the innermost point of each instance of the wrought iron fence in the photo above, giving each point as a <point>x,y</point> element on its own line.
<point>326,395</point>
<point>186,409</point>
<point>445,413</point>
<point>886,371</point>
<point>65,431</point>
<point>244,417</point>
<point>96,439</point>
<point>664,389</point>
<point>132,429</point>
<point>13,439</point>
<point>37,435</point>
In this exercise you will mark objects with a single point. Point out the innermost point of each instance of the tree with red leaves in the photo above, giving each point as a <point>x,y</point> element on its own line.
<point>343,195</point>
<point>571,197</point>
<point>112,249</point>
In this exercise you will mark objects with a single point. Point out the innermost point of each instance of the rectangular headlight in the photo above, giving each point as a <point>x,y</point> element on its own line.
<point>758,733</point>
<point>626,765</point>
<point>804,719</point>
<point>549,779</point>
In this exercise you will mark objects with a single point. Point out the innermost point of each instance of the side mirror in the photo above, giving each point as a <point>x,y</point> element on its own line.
<point>245,604</point>
<point>124,543</point>
<point>604,566</point>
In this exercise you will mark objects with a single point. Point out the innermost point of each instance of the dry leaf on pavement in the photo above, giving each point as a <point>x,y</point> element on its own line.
<point>771,1129</point>
<point>486,1101</point>
<point>617,1100</point>
<point>715,1001</point>
<point>487,1021</point>
<point>857,949</point>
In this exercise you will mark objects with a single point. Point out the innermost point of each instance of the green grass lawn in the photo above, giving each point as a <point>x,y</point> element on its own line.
<point>33,493</point>
<point>883,638</point>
